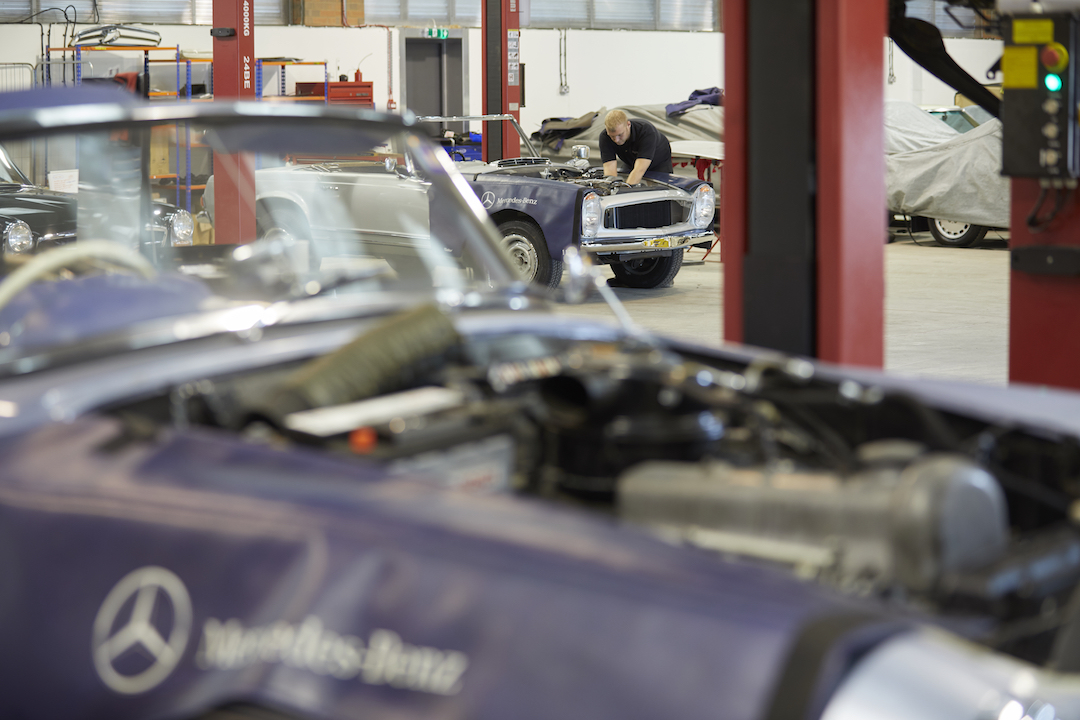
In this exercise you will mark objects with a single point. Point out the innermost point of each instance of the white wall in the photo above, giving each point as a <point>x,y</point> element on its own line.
<point>920,87</point>
<point>605,68</point>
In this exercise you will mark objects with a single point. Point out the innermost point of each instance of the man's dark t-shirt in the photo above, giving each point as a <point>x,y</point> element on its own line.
<point>645,141</point>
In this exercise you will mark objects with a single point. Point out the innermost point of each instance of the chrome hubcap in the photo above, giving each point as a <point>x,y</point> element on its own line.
<point>952,229</point>
<point>523,254</point>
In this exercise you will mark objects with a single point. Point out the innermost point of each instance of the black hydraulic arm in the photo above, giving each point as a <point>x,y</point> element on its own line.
<point>922,42</point>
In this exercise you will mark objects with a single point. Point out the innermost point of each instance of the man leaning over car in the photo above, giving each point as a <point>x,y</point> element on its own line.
<point>637,143</point>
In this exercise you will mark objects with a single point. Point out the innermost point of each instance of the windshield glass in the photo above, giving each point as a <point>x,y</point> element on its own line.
<point>9,171</point>
<point>151,220</point>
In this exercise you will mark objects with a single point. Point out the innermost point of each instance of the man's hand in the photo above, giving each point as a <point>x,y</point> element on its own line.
<point>640,166</point>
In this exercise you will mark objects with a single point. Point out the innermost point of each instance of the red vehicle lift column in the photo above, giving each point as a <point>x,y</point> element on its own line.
<point>234,78</point>
<point>502,77</point>
<point>803,222</point>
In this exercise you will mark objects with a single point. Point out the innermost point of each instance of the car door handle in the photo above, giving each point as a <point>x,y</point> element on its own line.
<point>331,188</point>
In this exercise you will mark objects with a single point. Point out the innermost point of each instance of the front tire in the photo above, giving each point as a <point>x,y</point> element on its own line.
<point>949,233</point>
<point>649,272</point>
<point>528,250</point>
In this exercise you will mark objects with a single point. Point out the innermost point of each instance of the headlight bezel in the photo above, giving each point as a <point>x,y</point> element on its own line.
<point>181,229</point>
<point>703,208</point>
<point>591,215</point>
<point>18,238</point>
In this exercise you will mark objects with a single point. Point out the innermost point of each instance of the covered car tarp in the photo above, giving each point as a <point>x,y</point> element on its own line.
<point>909,127</point>
<point>699,123</point>
<point>958,180</point>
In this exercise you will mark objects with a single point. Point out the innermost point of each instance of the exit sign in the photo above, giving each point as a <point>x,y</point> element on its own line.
<point>438,33</point>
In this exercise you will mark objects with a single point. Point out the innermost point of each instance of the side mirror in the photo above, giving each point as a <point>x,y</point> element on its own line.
<point>390,163</point>
<point>580,279</point>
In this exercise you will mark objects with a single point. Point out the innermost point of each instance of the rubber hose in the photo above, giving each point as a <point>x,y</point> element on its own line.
<point>386,358</point>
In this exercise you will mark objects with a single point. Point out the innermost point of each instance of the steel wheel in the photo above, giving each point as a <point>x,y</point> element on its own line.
<point>529,252</point>
<point>523,254</point>
<point>951,233</point>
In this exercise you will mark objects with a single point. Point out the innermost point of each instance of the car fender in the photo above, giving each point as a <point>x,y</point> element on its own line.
<point>553,205</point>
<point>683,183</point>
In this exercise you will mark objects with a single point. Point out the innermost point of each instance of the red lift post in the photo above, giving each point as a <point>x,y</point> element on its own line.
<point>501,69</point>
<point>234,78</point>
<point>803,223</point>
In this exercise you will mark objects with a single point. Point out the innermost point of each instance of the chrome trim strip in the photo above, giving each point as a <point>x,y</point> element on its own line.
<point>652,243</point>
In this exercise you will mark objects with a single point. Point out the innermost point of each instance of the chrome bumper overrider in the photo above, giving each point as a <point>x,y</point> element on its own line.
<point>596,245</point>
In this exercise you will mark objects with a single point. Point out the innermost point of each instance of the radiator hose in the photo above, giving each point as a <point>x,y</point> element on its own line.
<point>390,356</point>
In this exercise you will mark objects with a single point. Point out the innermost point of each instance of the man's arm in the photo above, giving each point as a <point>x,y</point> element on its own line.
<point>611,168</point>
<point>640,166</point>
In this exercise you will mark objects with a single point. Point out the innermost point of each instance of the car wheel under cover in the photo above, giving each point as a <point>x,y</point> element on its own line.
<point>649,272</point>
<point>950,233</point>
<point>285,223</point>
<point>529,253</point>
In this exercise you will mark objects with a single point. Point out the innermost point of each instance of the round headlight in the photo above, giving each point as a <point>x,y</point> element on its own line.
<point>18,238</point>
<point>701,214</point>
<point>181,228</point>
<point>590,215</point>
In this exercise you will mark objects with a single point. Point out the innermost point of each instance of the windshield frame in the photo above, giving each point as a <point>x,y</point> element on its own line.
<point>37,123</point>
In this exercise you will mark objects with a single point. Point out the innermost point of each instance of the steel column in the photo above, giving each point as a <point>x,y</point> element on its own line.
<point>501,76</point>
<point>851,216</point>
<point>233,77</point>
<point>1044,325</point>
<point>803,223</point>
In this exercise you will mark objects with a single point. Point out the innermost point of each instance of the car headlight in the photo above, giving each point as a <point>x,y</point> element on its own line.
<point>590,215</point>
<point>701,214</point>
<point>18,238</point>
<point>181,228</point>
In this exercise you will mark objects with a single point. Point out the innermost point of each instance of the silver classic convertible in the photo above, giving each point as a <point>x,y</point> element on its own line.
<point>539,207</point>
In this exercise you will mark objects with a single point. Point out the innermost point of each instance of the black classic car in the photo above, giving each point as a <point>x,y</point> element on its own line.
<point>31,217</point>
<point>34,218</point>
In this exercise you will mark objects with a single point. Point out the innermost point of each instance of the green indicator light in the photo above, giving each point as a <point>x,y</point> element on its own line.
<point>1052,82</point>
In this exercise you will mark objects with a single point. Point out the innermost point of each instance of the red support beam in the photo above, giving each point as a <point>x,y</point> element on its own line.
<point>234,78</point>
<point>733,174</point>
<point>851,216</point>
<point>501,73</point>
<point>1044,325</point>
<point>850,232</point>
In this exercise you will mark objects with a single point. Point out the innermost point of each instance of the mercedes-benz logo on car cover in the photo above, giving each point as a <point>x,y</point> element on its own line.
<point>488,199</point>
<point>141,630</point>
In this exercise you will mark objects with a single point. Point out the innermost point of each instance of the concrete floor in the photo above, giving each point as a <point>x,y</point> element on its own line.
<point>946,309</point>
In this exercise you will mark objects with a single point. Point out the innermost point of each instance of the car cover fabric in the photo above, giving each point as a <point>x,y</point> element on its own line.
<point>554,131</point>
<point>957,180</point>
<point>708,96</point>
<point>701,122</point>
<point>909,127</point>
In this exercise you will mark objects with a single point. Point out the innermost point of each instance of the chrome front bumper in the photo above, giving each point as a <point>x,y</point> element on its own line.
<point>664,242</point>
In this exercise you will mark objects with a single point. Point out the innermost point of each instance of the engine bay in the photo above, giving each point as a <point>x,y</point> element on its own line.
<point>871,492</point>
